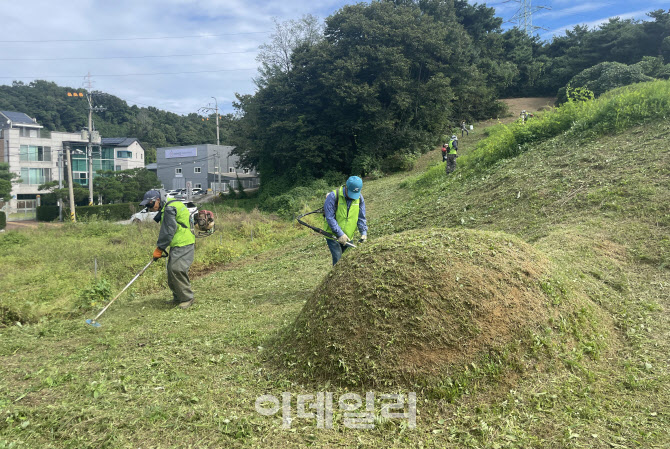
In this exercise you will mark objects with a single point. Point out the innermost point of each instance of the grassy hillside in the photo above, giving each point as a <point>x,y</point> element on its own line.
<point>592,208</point>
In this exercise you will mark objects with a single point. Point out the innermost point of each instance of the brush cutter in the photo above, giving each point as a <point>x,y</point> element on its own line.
<point>203,222</point>
<point>94,321</point>
<point>327,234</point>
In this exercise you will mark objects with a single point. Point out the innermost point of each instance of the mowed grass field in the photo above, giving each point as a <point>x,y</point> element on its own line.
<point>158,377</point>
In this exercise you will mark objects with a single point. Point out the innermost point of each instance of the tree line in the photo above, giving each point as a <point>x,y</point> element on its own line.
<point>155,128</point>
<point>385,80</point>
<point>375,85</point>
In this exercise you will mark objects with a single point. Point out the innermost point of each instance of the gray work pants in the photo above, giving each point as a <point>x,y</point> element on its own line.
<point>179,262</point>
<point>451,162</point>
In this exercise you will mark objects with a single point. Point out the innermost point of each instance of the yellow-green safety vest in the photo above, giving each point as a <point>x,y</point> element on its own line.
<point>347,220</point>
<point>452,150</point>
<point>183,236</point>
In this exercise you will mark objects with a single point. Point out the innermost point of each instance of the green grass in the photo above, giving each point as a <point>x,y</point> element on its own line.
<point>598,208</point>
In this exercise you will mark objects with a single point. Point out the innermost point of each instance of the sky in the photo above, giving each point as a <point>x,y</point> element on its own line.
<point>182,55</point>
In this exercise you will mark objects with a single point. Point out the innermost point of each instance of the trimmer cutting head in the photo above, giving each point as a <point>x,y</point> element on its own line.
<point>93,323</point>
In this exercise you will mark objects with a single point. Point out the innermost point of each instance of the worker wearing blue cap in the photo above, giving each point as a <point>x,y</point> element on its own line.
<point>344,212</point>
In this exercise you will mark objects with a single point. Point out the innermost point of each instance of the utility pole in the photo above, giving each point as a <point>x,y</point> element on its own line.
<point>89,145</point>
<point>216,110</point>
<point>73,218</point>
<point>60,185</point>
<point>218,156</point>
<point>209,109</point>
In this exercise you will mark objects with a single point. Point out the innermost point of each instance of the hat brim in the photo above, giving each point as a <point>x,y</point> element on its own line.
<point>353,195</point>
<point>144,202</point>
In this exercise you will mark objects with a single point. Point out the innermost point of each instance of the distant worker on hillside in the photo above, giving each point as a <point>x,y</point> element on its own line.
<point>452,154</point>
<point>444,152</point>
<point>175,232</point>
<point>464,129</point>
<point>525,116</point>
<point>344,212</point>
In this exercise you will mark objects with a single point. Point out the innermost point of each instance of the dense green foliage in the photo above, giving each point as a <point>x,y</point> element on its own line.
<point>609,75</point>
<point>389,77</point>
<point>6,179</point>
<point>109,187</point>
<point>3,220</point>
<point>624,41</point>
<point>54,110</point>
<point>47,213</point>
<point>111,212</point>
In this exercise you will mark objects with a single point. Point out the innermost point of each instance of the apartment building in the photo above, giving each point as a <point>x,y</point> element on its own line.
<point>36,155</point>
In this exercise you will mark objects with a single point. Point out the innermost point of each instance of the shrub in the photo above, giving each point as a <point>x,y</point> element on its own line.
<point>398,162</point>
<point>95,295</point>
<point>363,164</point>
<point>607,76</point>
<point>3,220</point>
<point>47,213</point>
<point>111,212</point>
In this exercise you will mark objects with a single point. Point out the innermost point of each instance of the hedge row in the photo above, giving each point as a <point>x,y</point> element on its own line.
<point>47,213</point>
<point>3,220</point>
<point>111,212</point>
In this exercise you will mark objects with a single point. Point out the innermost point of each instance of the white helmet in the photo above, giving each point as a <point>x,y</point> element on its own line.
<point>454,137</point>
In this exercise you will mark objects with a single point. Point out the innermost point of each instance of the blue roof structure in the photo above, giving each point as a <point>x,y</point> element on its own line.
<point>18,118</point>
<point>119,141</point>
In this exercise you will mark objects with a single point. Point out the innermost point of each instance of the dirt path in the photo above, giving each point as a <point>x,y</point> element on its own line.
<point>516,105</point>
<point>27,224</point>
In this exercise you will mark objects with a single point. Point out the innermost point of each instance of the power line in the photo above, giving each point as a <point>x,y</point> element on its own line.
<point>128,57</point>
<point>181,164</point>
<point>129,74</point>
<point>153,106</point>
<point>133,38</point>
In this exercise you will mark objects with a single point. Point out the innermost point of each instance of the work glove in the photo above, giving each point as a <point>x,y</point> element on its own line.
<point>158,253</point>
<point>343,239</point>
<point>364,238</point>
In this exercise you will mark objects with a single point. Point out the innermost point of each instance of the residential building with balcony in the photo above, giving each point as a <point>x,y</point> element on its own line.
<point>36,156</point>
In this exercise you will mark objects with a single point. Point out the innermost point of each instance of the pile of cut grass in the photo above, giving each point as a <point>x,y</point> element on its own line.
<point>420,306</point>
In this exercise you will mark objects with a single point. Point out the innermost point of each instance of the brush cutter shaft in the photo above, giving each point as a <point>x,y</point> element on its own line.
<point>124,289</point>
<point>321,231</point>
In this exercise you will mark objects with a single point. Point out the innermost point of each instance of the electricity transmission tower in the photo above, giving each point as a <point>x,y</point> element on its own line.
<point>524,16</point>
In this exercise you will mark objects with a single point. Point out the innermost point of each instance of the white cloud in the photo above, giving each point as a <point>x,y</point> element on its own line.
<point>640,14</point>
<point>572,11</point>
<point>228,27</point>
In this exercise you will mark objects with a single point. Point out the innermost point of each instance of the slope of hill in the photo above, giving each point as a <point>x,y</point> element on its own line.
<point>595,208</point>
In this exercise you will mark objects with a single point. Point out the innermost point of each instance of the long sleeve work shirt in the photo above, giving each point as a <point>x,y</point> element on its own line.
<point>329,210</point>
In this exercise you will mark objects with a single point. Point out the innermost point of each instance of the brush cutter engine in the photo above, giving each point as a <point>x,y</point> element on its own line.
<point>203,223</point>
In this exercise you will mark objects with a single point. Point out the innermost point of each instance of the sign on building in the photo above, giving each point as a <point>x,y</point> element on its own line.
<point>181,152</point>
